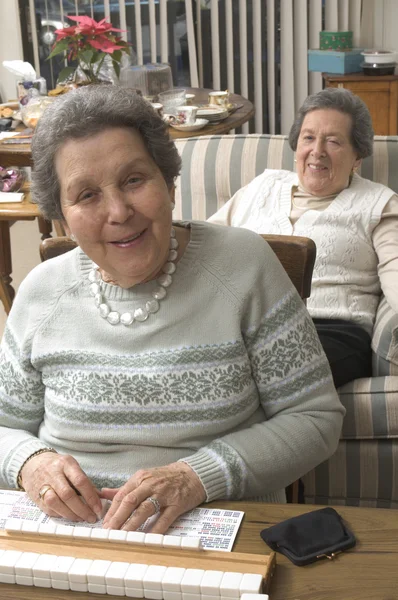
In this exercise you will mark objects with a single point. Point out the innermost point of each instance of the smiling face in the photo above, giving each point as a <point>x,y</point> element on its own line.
<point>116,203</point>
<point>325,156</point>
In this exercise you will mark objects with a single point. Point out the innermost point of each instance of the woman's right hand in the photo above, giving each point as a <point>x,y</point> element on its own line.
<point>67,480</point>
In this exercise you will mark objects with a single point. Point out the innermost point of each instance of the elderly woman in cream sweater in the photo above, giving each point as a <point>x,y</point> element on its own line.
<point>353,221</point>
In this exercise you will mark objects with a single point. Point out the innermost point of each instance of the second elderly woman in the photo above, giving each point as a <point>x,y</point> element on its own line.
<point>156,361</point>
<point>353,221</point>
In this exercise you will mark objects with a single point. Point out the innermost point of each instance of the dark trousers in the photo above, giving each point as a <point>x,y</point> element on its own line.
<point>347,347</point>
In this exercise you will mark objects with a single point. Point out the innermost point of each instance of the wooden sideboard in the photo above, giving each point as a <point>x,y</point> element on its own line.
<point>380,94</point>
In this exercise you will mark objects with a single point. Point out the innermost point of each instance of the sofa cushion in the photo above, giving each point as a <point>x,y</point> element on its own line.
<point>215,167</point>
<point>372,408</point>
<point>359,474</point>
<point>385,341</point>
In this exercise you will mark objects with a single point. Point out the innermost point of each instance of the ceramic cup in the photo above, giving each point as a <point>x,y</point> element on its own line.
<point>186,115</point>
<point>158,108</point>
<point>219,98</point>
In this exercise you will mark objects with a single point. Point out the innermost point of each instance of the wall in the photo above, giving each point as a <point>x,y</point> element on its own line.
<point>10,46</point>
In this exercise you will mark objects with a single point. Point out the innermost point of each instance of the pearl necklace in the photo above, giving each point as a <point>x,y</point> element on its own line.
<point>151,306</point>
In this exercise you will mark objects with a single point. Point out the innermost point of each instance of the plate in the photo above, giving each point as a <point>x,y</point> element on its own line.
<point>199,123</point>
<point>213,113</point>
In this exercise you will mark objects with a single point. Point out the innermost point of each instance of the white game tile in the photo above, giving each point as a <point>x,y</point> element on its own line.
<point>82,532</point>
<point>254,597</point>
<point>190,583</point>
<point>188,596</point>
<point>78,587</point>
<point>42,567</point>
<point>172,578</point>
<point>172,541</point>
<point>172,595</point>
<point>96,573</point>
<point>117,535</point>
<point>8,560</point>
<point>60,584</point>
<point>100,534</point>
<point>47,528</point>
<point>78,571</point>
<point>96,588</point>
<point>60,568</point>
<point>133,592</point>
<point>210,584</point>
<point>29,527</point>
<point>64,531</point>
<point>43,582</point>
<point>135,537</point>
<point>24,565</point>
<point>153,594</point>
<point>251,583</point>
<point>153,578</point>
<point>114,575</point>
<point>191,543</point>
<point>134,577</point>
<point>230,585</point>
<point>23,580</point>
<point>115,590</point>
<point>153,539</point>
<point>13,525</point>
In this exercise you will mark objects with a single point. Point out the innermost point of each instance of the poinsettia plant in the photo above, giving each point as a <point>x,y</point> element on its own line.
<point>88,43</point>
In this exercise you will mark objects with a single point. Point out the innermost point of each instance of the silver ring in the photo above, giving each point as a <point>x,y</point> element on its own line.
<point>155,503</point>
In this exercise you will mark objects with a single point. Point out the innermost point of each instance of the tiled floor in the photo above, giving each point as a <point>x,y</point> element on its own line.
<point>25,240</point>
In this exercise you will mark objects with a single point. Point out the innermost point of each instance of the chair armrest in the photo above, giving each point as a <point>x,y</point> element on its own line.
<point>385,341</point>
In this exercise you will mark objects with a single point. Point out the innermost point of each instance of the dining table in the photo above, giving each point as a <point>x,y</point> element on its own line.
<point>366,572</point>
<point>241,111</point>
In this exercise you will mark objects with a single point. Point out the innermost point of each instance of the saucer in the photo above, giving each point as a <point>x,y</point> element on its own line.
<point>199,123</point>
<point>213,113</point>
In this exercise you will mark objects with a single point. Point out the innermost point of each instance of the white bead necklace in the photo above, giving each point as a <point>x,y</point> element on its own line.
<point>151,306</point>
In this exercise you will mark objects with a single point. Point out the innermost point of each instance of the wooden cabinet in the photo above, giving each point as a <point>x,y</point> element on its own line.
<point>380,94</point>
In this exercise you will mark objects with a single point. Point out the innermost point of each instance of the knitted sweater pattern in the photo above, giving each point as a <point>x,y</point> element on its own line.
<point>228,376</point>
<point>345,283</point>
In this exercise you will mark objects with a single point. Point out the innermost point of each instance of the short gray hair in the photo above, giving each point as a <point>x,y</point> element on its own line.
<point>87,111</point>
<point>346,102</point>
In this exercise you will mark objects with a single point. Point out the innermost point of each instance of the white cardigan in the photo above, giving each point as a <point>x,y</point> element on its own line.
<point>345,282</point>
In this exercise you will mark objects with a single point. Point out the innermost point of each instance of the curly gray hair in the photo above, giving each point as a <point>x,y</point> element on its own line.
<point>346,102</point>
<point>87,111</point>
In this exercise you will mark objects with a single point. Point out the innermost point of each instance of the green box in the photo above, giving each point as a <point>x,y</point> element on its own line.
<point>335,40</point>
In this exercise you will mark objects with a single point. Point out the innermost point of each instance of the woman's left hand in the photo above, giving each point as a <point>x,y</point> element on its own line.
<point>175,488</point>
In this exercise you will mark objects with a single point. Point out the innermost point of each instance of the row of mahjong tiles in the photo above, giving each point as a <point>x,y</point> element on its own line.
<point>133,580</point>
<point>111,535</point>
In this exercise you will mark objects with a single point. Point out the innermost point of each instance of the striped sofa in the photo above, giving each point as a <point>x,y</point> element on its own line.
<point>364,470</point>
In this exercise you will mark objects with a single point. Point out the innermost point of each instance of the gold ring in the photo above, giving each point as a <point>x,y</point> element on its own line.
<point>44,490</point>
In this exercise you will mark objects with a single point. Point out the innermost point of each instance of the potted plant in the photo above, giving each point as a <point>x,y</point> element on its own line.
<point>88,43</point>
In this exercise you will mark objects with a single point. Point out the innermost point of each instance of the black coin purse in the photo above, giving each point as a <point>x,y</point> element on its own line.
<point>310,537</point>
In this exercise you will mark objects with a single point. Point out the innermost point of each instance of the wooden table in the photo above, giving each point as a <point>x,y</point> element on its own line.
<point>235,119</point>
<point>17,211</point>
<point>367,572</point>
<point>20,154</point>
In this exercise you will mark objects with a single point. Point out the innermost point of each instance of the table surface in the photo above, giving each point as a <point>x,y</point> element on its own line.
<point>20,154</point>
<point>367,572</point>
<point>19,211</point>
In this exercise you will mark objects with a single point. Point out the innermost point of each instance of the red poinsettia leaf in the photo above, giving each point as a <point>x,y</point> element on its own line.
<point>84,20</point>
<point>104,45</point>
<point>65,32</point>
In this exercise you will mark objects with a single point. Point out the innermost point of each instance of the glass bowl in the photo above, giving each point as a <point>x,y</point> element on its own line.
<point>171,99</point>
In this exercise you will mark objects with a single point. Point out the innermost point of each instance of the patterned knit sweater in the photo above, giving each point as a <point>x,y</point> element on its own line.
<point>345,281</point>
<point>229,375</point>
